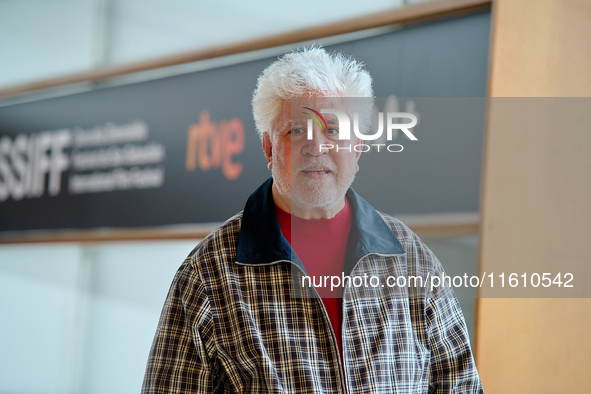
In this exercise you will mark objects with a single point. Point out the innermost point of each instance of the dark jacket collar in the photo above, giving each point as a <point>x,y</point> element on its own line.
<point>261,241</point>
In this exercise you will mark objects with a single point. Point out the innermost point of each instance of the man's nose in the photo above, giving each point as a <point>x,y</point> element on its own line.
<point>313,147</point>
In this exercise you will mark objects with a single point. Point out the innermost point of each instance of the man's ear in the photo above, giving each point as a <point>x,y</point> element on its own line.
<point>267,147</point>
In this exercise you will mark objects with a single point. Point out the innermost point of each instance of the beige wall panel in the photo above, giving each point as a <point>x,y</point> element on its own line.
<point>534,345</point>
<point>537,200</point>
<point>536,197</point>
<point>541,48</point>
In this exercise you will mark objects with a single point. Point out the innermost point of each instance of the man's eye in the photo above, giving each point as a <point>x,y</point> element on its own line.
<point>296,131</point>
<point>332,131</point>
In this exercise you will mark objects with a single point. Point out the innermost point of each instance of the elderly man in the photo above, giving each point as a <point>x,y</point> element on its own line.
<point>233,320</point>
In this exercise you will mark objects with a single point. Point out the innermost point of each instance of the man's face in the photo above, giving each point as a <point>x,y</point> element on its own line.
<point>309,182</point>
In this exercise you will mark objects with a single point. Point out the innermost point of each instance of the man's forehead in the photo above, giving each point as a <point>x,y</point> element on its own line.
<point>301,119</point>
<point>297,111</point>
<point>319,101</point>
<point>329,119</point>
<point>301,109</point>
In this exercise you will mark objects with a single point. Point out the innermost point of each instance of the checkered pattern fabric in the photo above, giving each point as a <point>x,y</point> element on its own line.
<point>235,327</point>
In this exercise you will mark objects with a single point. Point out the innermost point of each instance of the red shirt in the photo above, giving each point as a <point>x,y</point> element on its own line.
<point>321,245</point>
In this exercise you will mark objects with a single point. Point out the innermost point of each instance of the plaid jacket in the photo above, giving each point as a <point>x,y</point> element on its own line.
<point>230,323</point>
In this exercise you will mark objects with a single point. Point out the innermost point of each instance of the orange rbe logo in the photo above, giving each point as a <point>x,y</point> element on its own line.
<point>213,145</point>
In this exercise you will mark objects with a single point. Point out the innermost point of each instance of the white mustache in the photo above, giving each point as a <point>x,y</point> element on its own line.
<point>316,164</point>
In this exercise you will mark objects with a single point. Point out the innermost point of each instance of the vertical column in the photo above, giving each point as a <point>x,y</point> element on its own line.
<point>536,200</point>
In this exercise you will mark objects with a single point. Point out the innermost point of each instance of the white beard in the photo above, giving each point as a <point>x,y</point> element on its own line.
<point>313,193</point>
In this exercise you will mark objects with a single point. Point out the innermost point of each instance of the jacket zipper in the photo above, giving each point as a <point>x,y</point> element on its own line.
<point>334,337</point>
<point>345,289</point>
<point>327,319</point>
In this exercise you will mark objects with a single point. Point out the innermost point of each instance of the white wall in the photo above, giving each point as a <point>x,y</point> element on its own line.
<point>81,318</point>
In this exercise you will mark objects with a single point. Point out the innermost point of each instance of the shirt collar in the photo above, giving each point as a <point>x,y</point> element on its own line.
<point>261,241</point>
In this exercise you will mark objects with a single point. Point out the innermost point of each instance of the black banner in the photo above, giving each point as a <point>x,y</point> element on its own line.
<point>184,149</point>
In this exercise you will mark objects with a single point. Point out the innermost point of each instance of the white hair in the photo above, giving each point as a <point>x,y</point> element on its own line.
<point>303,73</point>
